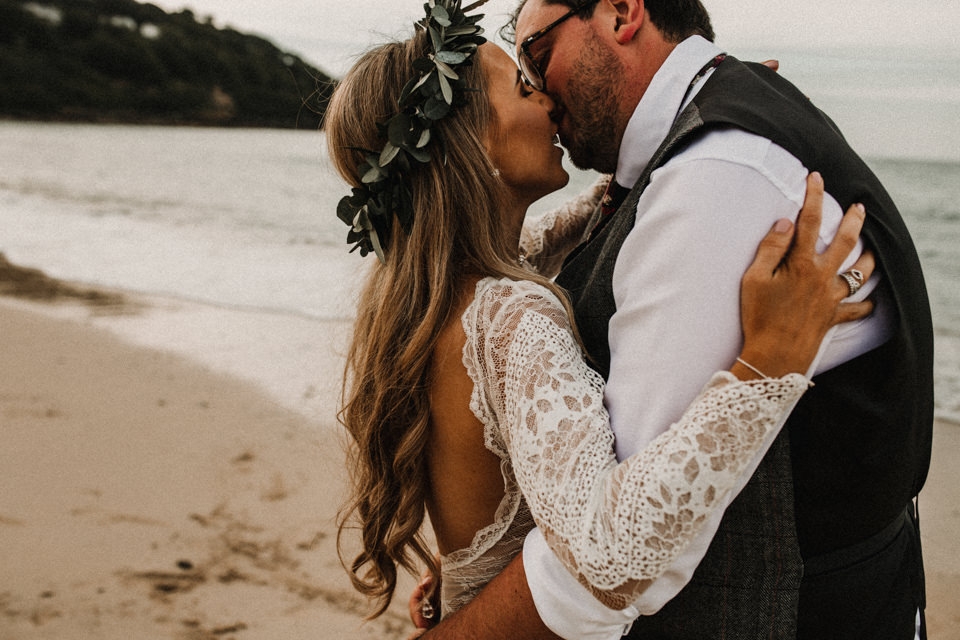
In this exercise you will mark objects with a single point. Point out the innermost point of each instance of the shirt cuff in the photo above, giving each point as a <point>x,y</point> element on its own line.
<point>565,606</point>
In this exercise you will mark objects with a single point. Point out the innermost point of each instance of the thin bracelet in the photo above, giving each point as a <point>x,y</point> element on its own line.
<point>753,368</point>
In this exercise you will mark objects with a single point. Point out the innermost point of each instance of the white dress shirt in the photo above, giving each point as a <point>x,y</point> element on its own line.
<point>676,284</point>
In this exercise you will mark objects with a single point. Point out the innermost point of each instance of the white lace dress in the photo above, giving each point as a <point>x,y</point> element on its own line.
<point>545,240</point>
<point>615,526</point>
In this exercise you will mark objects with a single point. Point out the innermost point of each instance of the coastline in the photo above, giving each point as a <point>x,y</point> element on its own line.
<point>150,494</point>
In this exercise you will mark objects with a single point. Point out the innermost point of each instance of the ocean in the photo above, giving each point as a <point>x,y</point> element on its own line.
<point>239,226</point>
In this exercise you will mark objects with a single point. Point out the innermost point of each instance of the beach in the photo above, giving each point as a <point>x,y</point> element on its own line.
<point>146,496</point>
<point>149,495</point>
<point>173,326</point>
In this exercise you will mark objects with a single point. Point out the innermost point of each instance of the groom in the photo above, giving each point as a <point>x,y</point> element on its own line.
<point>822,540</point>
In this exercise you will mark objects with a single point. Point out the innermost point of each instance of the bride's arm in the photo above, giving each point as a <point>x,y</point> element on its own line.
<point>546,239</point>
<point>618,527</point>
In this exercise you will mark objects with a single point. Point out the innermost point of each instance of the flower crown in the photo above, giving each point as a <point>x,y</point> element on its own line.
<point>427,98</point>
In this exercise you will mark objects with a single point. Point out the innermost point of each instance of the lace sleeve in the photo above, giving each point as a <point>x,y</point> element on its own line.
<point>616,527</point>
<point>545,240</point>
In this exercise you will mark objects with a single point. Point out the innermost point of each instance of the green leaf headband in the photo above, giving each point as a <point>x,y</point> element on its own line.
<point>426,98</point>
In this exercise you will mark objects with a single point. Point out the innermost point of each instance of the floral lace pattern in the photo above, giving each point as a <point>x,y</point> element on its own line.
<point>616,527</point>
<point>545,240</point>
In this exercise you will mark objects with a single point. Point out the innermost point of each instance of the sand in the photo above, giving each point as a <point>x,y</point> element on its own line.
<point>144,495</point>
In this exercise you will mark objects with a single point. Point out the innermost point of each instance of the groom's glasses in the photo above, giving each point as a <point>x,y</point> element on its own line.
<point>528,67</point>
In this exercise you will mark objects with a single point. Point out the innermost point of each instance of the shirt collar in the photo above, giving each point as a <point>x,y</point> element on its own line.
<point>660,105</point>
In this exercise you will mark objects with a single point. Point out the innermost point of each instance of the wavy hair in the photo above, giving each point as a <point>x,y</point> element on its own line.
<point>458,233</point>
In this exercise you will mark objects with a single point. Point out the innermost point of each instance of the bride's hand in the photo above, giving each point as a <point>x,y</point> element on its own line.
<point>791,295</point>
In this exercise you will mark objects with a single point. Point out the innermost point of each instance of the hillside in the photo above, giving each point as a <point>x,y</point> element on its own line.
<point>123,61</point>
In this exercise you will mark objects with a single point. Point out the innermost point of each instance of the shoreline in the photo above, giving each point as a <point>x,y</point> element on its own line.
<point>294,358</point>
<point>148,496</point>
<point>152,492</point>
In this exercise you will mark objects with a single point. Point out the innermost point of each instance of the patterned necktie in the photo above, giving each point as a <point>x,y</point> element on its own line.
<point>613,198</point>
<point>609,203</point>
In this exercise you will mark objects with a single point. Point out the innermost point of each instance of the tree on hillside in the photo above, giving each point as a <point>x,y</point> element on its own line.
<point>120,60</point>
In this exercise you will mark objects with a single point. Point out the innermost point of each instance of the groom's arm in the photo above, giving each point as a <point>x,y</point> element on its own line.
<point>504,610</point>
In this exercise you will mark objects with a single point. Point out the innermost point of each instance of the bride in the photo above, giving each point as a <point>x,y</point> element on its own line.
<point>467,396</point>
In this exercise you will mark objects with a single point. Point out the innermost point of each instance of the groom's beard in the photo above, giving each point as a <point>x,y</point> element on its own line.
<point>592,109</point>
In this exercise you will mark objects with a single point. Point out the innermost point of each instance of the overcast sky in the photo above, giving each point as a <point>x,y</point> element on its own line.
<point>329,33</point>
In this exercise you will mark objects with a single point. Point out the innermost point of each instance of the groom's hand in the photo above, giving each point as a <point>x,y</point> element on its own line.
<point>504,610</point>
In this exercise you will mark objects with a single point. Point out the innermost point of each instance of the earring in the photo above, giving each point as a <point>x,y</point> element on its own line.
<point>495,173</point>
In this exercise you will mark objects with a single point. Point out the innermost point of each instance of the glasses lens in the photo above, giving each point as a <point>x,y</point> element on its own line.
<point>528,69</point>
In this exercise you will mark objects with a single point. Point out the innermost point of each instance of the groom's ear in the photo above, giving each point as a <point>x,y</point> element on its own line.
<point>628,17</point>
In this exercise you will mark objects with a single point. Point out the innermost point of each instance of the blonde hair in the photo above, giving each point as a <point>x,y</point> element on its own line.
<point>458,233</point>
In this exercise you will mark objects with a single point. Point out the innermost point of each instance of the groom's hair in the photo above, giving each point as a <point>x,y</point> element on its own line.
<point>680,19</point>
<point>676,19</point>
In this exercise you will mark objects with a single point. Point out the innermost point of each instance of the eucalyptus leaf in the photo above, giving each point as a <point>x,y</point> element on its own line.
<point>373,175</point>
<point>451,57</point>
<point>420,155</point>
<point>361,222</point>
<point>440,14</point>
<point>375,207</point>
<point>435,109</point>
<point>412,136</point>
<point>432,85</point>
<point>377,248</point>
<point>397,130</point>
<point>423,80</point>
<point>371,163</point>
<point>460,31</point>
<point>435,38</point>
<point>358,196</point>
<point>424,139</point>
<point>345,210</point>
<point>388,154</point>
<point>446,89</point>
<point>445,70</point>
<point>409,88</point>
